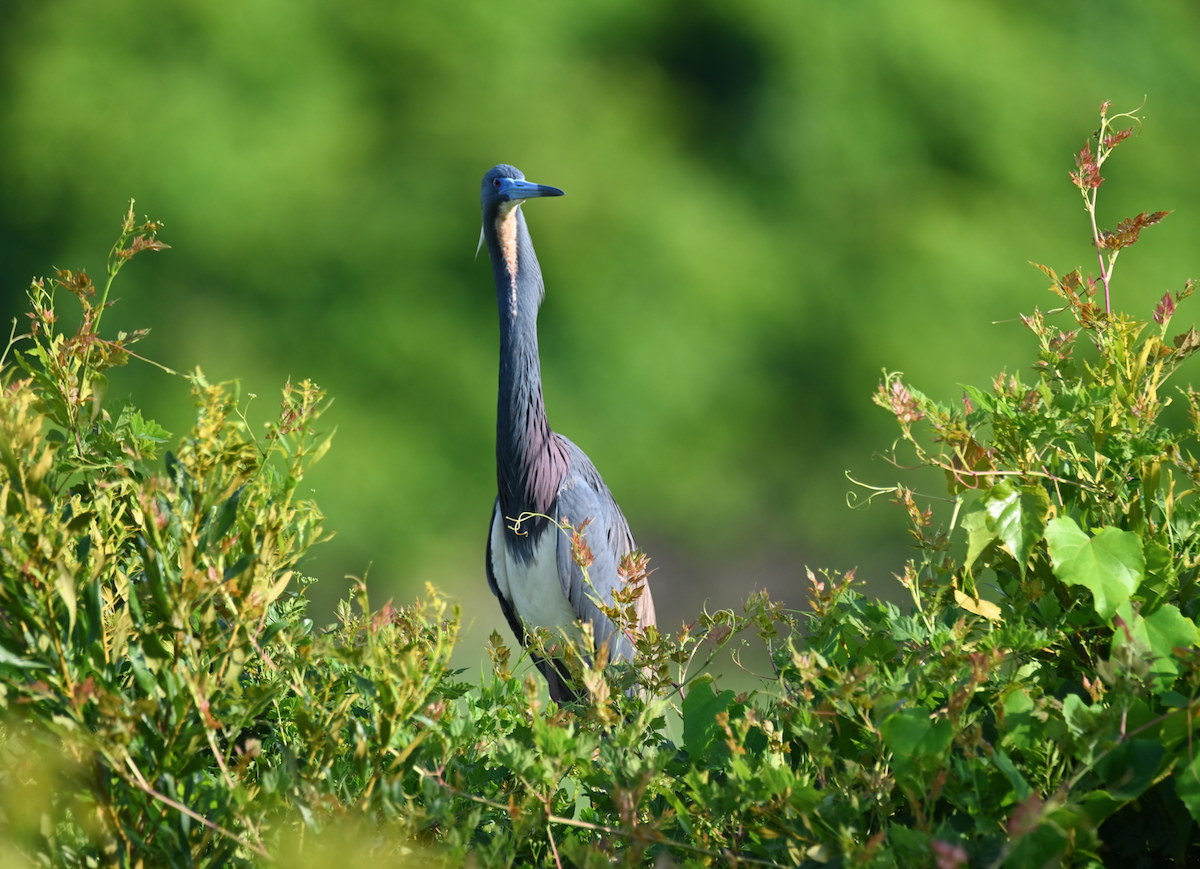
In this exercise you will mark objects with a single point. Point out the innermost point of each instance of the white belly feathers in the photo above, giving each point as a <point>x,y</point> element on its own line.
<point>533,587</point>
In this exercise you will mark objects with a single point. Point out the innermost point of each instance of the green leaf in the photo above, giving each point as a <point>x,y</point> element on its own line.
<point>903,731</point>
<point>154,575</point>
<point>1018,719</point>
<point>94,610</point>
<point>1080,718</point>
<point>1167,629</point>
<point>979,535</point>
<point>1043,847</point>
<point>1187,784</point>
<point>226,516</point>
<point>1014,515</point>
<point>981,399</point>
<point>321,447</point>
<point>99,384</point>
<point>1098,805</point>
<point>1006,766</point>
<point>937,740</point>
<point>1130,768</point>
<point>147,429</point>
<point>65,585</point>
<point>11,658</point>
<point>1162,631</point>
<point>911,735</point>
<point>1110,564</point>
<point>1162,574</point>
<point>1017,515</point>
<point>700,710</point>
<point>911,844</point>
<point>681,812</point>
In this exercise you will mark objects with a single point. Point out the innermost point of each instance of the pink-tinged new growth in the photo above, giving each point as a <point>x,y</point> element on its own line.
<point>139,244</point>
<point>580,551</point>
<point>1115,139</point>
<point>79,284</point>
<point>1026,817</point>
<point>1087,175</point>
<point>1128,230</point>
<point>948,856</point>
<point>634,567</point>
<point>387,615</point>
<point>1164,310</point>
<point>901,401</point>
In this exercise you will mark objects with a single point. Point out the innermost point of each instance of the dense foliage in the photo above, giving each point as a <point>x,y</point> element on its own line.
<point>766,203</point>
<point>169,703</point>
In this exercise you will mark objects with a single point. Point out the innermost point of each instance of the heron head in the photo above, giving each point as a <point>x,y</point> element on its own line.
<point>504,188</point>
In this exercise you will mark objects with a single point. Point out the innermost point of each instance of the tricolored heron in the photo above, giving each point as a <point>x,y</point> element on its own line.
<point>538,471</point>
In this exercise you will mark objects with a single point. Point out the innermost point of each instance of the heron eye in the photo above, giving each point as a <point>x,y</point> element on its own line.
<point>496,183</point>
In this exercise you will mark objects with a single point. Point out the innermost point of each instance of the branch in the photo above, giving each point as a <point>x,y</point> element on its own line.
<point>216,828</point>
<point>657,839</point>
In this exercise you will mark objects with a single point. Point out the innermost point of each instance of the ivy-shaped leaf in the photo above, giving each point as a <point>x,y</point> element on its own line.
<point>1110,564</point>
<point>1014,515</point>
<point>1167,629</point>
<point>1018,514</point>
<point>1163,631</point>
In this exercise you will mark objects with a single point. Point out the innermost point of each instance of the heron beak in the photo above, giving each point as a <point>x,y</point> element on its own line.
<point>519,188</point>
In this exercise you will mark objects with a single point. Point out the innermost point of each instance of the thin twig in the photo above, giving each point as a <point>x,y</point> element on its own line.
<point>553,847</point>
<point>216,828</point>
<point>212,744</point>
<point>13,338</point>
<point>657,839</point>
<point>124,349</point>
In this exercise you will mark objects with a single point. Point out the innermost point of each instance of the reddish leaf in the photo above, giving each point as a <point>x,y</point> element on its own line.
<point>901,402</point>
<point>79,284</point>
<point>1164,310</point>
<point>1115,139</point>
<point>386,616</point>
<point>141,243</point>
<point>1087,175</point>
<point>1128,230</point>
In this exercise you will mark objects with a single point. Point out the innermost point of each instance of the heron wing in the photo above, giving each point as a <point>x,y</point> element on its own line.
<point>583,496</point>
<point>558,680</point>
<point>506,606</point>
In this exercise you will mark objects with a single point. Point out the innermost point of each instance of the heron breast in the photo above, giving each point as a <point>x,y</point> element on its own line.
<point>532,586</point>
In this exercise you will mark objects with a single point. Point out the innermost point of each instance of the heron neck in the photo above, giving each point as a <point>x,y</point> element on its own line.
<point>530,462</point>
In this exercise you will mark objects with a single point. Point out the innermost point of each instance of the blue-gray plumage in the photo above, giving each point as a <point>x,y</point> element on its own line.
<point>538,471</point>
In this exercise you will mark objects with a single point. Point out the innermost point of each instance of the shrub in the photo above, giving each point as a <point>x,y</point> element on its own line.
<point>169,702</point>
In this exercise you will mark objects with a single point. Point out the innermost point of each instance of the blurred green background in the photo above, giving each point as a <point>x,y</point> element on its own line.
<point>767,203</point>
